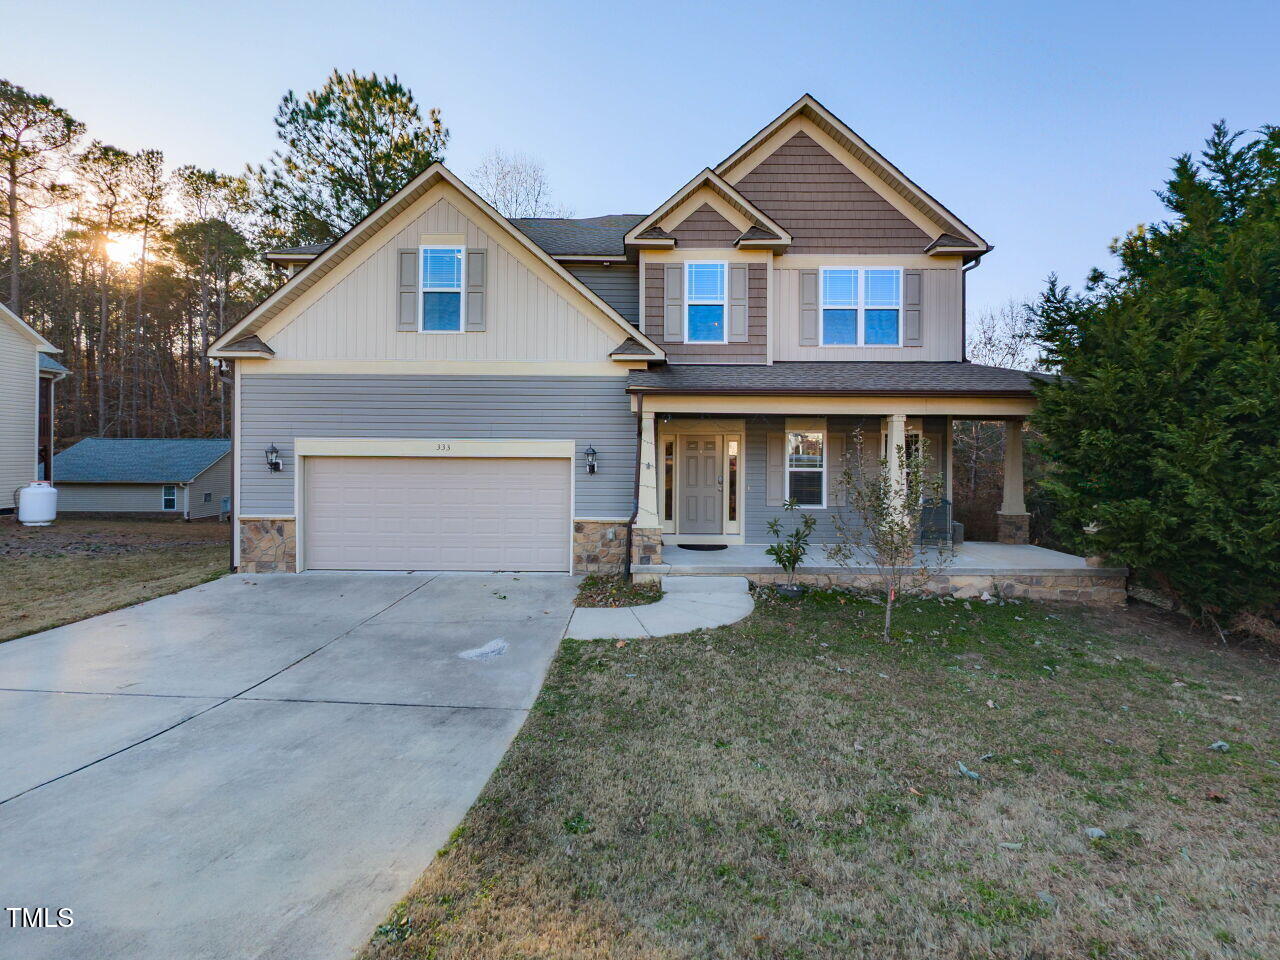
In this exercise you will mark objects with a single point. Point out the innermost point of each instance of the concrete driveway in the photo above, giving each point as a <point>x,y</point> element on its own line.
<point>260,766</point>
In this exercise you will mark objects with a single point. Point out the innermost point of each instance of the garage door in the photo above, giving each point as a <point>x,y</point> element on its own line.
<point>425,513</point>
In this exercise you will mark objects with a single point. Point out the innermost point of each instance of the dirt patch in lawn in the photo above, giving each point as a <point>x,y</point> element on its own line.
<point>602,590</point>
<point>80,568</point>
<point>791,787</point>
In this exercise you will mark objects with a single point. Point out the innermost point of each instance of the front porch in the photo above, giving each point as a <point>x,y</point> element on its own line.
<point>1000,569</point>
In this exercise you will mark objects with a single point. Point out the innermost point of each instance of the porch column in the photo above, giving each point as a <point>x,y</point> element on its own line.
<point>897,440</point>
<point>646,532</point>
<point>1013,523</point>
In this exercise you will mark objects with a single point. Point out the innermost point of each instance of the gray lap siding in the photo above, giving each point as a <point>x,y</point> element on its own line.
<point>593,411</point>
<point>759,513</point>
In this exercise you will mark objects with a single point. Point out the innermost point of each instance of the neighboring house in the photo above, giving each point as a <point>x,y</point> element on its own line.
<point>27,378</point>
<point>188,479</point>
<point>438,382</point>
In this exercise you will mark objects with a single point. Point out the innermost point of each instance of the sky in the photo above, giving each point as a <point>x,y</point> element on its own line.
<point>1047,127</point>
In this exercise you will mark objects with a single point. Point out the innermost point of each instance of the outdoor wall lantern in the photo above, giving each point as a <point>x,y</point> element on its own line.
<point>590,455</point>
<point>273,459</point>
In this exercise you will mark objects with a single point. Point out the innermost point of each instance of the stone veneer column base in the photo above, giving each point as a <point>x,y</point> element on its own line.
<point>646,547</point>
<point>268,545</point>
<point>599,546</point>
<point>1013,527</point>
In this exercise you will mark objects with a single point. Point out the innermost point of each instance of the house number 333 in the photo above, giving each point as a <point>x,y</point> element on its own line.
<point>443,448</point>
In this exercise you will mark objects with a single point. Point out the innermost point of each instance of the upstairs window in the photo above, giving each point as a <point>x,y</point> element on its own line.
<point>704,303</point>
<point>883,308</point>
<point>839,306</point>
<point>861,306</point>
<point>442,279</point>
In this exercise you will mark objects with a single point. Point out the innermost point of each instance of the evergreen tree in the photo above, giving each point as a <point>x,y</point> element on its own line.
<point>347,148</point>
<point>1163,434</point>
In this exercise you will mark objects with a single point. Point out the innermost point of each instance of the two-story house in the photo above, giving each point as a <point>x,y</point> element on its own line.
<point>444,388</point>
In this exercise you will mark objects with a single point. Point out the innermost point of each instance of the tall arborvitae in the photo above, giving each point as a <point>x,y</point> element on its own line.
<point>1164,431</point>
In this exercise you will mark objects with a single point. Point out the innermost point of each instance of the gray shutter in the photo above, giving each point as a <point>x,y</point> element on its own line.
<point>737,303</point>
<point>774,474</point>
<point>409,294</point>
<point>835,469</point>
<point>808,308</point>
<point>912,308</point>
<point>476,267</point>
<point>673,302</point>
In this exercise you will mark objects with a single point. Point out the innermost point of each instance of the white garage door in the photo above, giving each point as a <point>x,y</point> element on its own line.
<point>426,513</point>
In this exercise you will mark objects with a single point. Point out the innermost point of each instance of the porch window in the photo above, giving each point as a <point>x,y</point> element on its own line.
<point>169,497</point>
<point>806,468</point>
<point>839,306</point>
<point>704,303</point>
<point>883,307</point>
<point>442,269</point>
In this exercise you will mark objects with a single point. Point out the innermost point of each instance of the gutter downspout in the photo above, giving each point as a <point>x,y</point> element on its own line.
<point>964,306</point>
<point>225,381</point>
<point>635,511</point>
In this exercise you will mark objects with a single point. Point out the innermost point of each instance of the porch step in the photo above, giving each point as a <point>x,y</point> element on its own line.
<point>687,604</point>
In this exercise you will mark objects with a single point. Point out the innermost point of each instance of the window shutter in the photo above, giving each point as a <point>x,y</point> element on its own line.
<point>835,469</point>
<point>476,266</point>
<point>913,308</point>
<point>673,302</point>
<point>409,294</point>
<point>737,303</point>
<point>774,474</point>
<point>808,308</point>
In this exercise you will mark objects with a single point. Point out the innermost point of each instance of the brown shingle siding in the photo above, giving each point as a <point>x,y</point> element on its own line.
<point>825,206</point>
<point>752,352</point>
<point>705,227</point>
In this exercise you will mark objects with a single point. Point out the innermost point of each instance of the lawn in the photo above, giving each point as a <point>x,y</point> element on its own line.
<point>79,568</point>
<point>791,787</point>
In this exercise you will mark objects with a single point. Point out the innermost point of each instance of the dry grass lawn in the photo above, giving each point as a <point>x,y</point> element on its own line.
<point>80,568</point>
<point>790,787</point>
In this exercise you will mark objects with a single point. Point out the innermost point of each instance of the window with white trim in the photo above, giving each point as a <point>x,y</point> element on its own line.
<point>806,466</point>
<point>861,306</point>
<point>169,497</point>
<point>442,275</point>
<point>704,298</point>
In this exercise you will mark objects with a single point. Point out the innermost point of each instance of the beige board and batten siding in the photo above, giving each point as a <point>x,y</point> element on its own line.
<point>942,327</point>
<point>753,350</point>
<point>525,318</point>
<point>824,205</point>
<point>18,405</point>
<point>215,481</point>
<point>117,498</point>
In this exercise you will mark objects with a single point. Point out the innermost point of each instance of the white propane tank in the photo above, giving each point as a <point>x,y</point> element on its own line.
<point>37,504</point>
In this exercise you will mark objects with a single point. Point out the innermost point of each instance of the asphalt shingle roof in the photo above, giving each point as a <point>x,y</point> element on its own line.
<point>854,377</point>
<point>109,460</point>
<point>307,250</point>
<point>584,237</point>
<point>50,365</point>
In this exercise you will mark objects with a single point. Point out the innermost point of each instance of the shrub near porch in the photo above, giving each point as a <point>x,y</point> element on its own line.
<point>790,787</point>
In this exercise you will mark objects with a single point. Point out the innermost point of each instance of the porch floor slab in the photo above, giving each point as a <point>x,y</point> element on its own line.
<point>971,559</point>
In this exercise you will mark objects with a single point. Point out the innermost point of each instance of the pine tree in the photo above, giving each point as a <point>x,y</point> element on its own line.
<point>1163,433</point>
<point>347,148</point>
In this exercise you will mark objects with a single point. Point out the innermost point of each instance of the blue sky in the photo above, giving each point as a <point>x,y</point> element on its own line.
<point>1045,126</point>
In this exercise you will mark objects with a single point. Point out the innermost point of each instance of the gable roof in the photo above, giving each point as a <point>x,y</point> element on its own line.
<point>808,107</point>
<point>111,460</point>
<point>643,233</point>
<point>351,241</point>
<point>27,331</point>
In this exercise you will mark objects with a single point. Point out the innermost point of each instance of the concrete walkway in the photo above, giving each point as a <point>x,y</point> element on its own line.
<point>257,767</point>
<point>688,603</point>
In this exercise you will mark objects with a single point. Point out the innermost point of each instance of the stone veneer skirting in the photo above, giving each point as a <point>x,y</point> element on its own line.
<point>599,546</point>
<point>1102,589</point>
<point>268,545</point>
